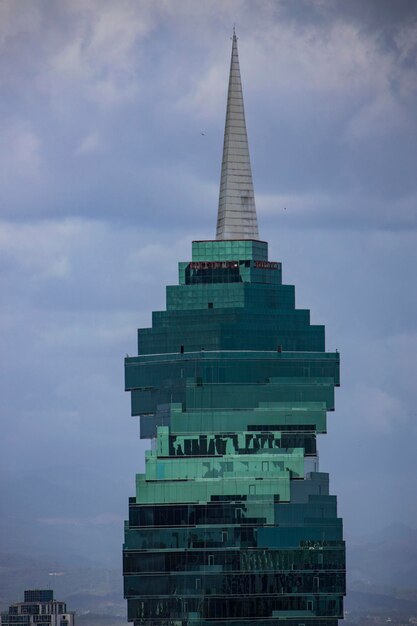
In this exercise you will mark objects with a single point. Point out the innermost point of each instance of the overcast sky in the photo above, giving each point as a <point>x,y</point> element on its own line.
<point>106,178</point>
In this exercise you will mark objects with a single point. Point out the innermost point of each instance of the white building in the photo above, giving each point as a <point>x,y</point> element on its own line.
<point>40,608</point>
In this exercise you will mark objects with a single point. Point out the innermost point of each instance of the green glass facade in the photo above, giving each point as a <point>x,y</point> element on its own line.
<point>232,523</point>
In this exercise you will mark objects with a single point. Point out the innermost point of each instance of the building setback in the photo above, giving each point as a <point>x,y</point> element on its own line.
<point>40,608</point>
<point>232,522</point>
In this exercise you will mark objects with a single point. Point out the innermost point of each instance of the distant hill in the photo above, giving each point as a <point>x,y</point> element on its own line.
<point>96,619</point>
<point>84,589</point>
<point>386,558</point>
<point>71,514</point>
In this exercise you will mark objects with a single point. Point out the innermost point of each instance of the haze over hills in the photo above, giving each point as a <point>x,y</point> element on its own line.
<point>387,557</point>
<point>71,515</point>
<point>84,588</point>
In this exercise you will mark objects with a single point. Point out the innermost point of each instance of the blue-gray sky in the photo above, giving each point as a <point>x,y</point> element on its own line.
<point>106,178</point>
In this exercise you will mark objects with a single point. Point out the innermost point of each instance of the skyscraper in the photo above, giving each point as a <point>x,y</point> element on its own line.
<point>232,522</point>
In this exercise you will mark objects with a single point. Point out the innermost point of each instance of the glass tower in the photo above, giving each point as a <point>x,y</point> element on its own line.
<point>232,522</point>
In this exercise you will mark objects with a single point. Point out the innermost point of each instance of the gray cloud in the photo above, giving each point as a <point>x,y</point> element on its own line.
<point>98,121</point>
<point>106,178</point>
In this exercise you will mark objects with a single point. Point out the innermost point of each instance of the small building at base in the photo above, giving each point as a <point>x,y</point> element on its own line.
<point>40,608</point>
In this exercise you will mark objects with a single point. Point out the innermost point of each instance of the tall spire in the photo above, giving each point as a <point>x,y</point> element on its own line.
<point>236,217</point>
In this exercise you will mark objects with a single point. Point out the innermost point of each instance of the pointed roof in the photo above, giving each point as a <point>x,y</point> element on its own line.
<point>236,218</point>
